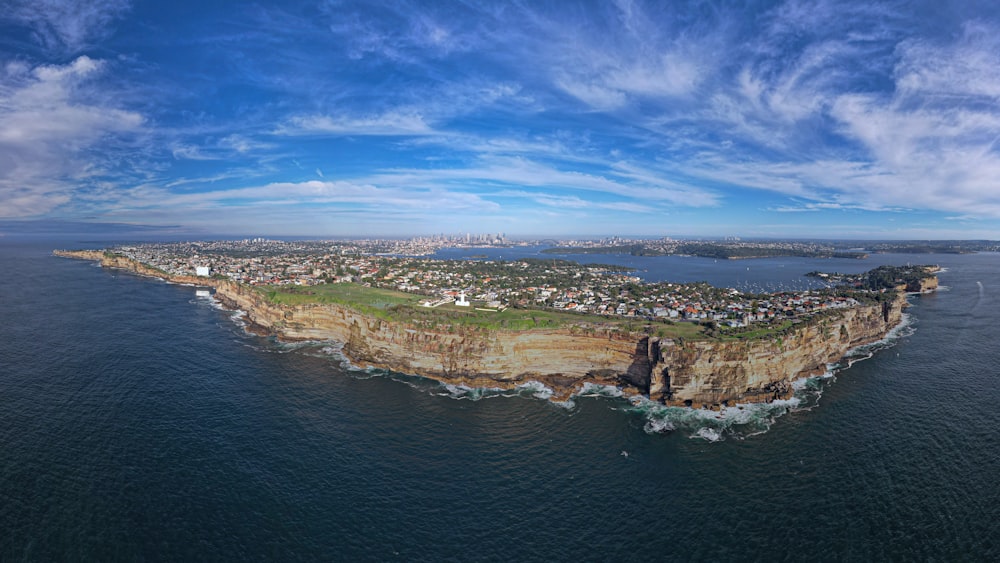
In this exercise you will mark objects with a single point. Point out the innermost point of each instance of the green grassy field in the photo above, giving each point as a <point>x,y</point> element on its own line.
<point>341,293</point>
<point>405,307</point>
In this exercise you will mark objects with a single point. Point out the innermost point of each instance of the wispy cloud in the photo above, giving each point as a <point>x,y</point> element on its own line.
<point>47,124</point>
<point>625,58</point>
<point>67,26</point>
<point>389,123</point>
<point>539,114</point>
<point>935,137</point>
<point>189,152</point>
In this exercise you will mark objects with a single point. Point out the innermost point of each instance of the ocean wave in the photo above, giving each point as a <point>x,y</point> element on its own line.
<point>738,421</point>
<point>809,390</point>
<point>536,389</point>
<point>529,389</point>
<point>307,347</point>
<point>239,318</point>
<point>466,393</point>
<point>597,390</point>
<point>749,419</point>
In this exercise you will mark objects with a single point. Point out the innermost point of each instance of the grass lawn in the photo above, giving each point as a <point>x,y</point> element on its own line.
<point>350,294</point>
<point>393,305</point>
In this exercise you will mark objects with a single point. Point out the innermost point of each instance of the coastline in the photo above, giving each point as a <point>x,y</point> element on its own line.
<point>702,373</point>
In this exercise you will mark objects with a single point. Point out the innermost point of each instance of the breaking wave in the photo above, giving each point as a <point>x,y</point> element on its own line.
<point>738,421</point>
<point>530,389</point>
<point>749,419</point>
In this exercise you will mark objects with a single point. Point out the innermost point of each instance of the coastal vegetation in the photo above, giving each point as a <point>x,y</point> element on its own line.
<point>398,306</point>
<point>638,249</point>
<point>518,295</point>
<point>731,252</point>
<point>510,322</point>
<point>881,279</point>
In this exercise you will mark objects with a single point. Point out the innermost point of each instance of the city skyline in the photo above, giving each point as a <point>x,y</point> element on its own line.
<point>842,120</point>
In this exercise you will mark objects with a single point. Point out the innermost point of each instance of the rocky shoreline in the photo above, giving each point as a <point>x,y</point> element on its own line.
<point>700,373</point>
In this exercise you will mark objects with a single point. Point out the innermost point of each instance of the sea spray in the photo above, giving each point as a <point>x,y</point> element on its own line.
<point>739,421</point>
<point>749,419</point>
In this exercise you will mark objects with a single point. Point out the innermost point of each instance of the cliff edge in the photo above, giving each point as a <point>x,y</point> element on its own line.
<point>700,373</point>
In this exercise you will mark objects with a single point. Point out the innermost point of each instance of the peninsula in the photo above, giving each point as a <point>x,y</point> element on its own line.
<point>503,324</point>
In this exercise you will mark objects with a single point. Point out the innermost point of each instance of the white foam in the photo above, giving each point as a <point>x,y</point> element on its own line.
<point>598,390</point>
<point>708,434</point>
<point>537,390</point>
<point>808,390</point>
<point>739,421</point>
<point>658,426</point>
<point>568,404</point>
<point>536,387</point>
<point>464,392</point>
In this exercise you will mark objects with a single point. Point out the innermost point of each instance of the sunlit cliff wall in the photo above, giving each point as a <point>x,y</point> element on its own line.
<point>697,372</point>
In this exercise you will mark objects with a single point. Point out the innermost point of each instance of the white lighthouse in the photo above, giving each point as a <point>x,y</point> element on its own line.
<point>461,300</point>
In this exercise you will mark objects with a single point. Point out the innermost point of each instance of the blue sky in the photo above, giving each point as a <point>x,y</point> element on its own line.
<point>773,119</point>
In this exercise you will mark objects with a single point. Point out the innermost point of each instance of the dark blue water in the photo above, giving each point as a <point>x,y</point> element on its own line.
<point>138,422</point>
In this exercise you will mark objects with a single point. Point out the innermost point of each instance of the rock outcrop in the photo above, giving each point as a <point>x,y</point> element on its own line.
<point>706,373</point>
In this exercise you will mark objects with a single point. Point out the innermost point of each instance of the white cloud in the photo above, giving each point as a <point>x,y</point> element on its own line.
<point>310,207</point>
<point>934,140</point>
<point>966,68</point>
<point>190,152</point>
<point>519,171</point>
<point>389,123</point>
<point>833,106</point>
<point>243,144</point>
<point>565,202</point>
<point>46,126</point>
<point>609,77</point>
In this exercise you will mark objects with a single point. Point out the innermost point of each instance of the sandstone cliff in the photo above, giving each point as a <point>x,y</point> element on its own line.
<point>711,372</point>
<point>698,373</point>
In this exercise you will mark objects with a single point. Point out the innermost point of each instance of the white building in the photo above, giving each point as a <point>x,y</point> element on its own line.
<point>202,271</point>
<point>461,300</point>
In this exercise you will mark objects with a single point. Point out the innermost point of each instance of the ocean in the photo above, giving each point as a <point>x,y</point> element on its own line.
<point>138,421</point>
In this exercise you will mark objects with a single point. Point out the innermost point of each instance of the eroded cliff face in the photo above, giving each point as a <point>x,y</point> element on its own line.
<point>707,373</point>
<point>471,356</point>
<point>697,373</point>
<point>926,285</point>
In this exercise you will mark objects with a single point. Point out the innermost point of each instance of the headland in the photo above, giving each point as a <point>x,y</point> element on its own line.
<point>703,362</point>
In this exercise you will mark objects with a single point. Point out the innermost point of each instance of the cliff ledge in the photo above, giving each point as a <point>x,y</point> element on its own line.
<point>701,373</point>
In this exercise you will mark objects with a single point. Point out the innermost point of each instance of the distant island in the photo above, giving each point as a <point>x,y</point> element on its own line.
<point>563,324</point>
